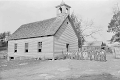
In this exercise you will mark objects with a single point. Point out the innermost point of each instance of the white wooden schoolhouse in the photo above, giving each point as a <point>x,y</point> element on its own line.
<point>45,39</point>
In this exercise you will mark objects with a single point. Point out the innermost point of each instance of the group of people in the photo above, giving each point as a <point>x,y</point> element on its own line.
<point>97,55</point>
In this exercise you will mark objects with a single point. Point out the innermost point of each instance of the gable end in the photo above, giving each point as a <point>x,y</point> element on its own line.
<point>72,24</point>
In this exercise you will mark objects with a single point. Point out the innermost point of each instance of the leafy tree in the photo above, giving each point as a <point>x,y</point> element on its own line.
<point>114,25</point>
<point>77,24</point>
<point>3,37</point>
<point>4,34</point>
<point>116,37</point>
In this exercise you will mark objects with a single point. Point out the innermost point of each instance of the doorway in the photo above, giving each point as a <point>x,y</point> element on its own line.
<point>67,46</point>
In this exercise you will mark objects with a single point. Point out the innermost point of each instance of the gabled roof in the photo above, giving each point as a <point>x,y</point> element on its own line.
<point>40,28</point>
<point>115,44</point>
<point>32,29</point>
<point>93,43</point>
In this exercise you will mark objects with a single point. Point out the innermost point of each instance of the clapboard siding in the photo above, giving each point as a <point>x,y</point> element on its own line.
<point>47,47</point>
<point>65,35</point>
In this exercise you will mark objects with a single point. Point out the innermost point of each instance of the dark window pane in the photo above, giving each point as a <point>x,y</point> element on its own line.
<point>15,51</point>
<point>26,50</point>
<point>11,57</point>
<point>39,50</point>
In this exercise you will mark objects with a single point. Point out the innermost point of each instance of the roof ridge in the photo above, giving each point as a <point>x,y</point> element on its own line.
<point>37,21</point>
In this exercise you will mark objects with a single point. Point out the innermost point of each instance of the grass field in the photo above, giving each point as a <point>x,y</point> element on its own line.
<point>31,69</point>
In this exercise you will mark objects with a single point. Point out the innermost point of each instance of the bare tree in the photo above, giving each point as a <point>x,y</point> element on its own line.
<point>82,26</point>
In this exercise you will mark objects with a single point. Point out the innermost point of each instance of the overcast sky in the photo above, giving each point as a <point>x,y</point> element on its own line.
<point>14,13</point>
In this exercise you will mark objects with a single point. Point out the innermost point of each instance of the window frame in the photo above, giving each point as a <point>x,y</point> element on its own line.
<point>15,48</point>
<point>39,47</point>
<point>26,48</point>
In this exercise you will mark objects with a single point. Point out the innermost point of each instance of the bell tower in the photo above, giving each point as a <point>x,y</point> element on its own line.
<point>63,9</point>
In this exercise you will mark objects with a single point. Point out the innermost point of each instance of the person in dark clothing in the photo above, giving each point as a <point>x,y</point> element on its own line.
<point>103,54</point>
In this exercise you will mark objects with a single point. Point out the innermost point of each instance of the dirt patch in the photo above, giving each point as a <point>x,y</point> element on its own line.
<point>23,64</point>
<point>63,69</point>
<point>46,76</point>
<point>104,76</point>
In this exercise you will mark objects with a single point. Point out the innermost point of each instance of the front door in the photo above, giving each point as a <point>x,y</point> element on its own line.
<point>67,46</point>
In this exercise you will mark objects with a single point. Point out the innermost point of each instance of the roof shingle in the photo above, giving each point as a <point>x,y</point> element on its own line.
<point>39,28</point>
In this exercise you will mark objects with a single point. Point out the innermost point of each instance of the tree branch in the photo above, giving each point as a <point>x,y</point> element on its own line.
<point>92,33</point>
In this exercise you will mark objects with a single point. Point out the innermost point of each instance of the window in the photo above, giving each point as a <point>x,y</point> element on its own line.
<point>60,9</point>
<point>39,46</point>
<point>67,22</point>
<point>26,47</point>
<point>15,48</point>
<point>66,10</point>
